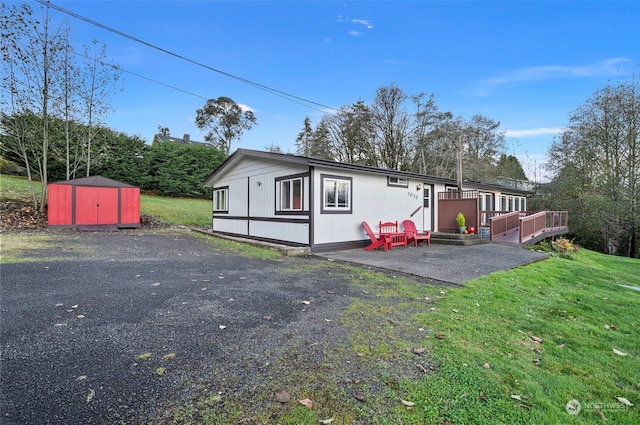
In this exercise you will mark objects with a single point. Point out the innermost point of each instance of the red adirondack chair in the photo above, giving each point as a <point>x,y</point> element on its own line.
<point>383,240</point>
<point>390,229</point>
<point>414,235</point>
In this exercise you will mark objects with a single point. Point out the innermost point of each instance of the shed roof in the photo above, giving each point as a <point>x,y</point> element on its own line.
<point>94,181</point>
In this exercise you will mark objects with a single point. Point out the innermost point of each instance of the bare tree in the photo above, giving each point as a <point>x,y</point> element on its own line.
<point>31,52</point>
<point>392,123</point>
<point>96,85</point>
<point>483,142</point>
<point>351,132</point>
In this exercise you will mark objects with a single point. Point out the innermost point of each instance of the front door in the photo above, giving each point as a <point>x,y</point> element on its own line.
<point>427,207</point>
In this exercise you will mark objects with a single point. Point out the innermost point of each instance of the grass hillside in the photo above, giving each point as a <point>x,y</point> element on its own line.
<point>176,211</point>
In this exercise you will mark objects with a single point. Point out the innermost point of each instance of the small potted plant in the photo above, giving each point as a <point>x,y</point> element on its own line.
<point>461,223</point>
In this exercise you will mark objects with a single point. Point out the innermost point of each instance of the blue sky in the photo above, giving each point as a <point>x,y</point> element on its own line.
<point>525,64</point>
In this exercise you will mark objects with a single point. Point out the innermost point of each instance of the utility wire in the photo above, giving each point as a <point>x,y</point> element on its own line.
<point>288,96</point>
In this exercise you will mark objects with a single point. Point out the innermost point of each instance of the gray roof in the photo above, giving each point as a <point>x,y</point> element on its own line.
<point>179,140</point>
<point>309,161</point>
<point>94,181</point>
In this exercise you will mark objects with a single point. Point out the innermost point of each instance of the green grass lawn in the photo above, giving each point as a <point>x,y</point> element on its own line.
<point>176,211</point>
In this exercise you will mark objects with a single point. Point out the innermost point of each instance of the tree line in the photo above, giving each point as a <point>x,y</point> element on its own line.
<point>410,133</point>
<point>165,168</point>
<point>595,164</point>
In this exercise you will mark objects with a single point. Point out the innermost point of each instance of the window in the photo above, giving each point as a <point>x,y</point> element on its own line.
<point>291,194</point>
<point>397,181</point>
<point>221,199</point>
<point>336,194</point>
<point>513,203</point>
<point>485,202</point>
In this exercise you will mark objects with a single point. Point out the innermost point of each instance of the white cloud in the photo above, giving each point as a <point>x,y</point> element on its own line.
<point>604,68</point>
<point>364,22</point>
<point>532,132</point>
<point>245,108</point>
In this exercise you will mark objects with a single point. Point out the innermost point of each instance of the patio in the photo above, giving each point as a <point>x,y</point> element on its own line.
<point>446,263</point>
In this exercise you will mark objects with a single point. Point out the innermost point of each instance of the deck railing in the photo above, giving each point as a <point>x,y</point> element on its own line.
<point>544,221</point>
<point>529,225</point>
<point>504,223</point>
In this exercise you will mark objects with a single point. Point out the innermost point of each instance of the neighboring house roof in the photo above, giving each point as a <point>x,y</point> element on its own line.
<point>184,140</point>
<point>309,161</point>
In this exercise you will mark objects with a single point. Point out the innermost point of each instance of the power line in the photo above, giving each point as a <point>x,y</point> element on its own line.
<point>297,99</point>
<point>119,68</point>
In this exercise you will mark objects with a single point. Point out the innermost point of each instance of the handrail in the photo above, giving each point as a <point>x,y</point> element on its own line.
<point>504,223</point>
<point>541,222</point>
<point>529,225</point>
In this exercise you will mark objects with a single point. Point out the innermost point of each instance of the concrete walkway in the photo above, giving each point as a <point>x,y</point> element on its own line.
<point>446,263</point>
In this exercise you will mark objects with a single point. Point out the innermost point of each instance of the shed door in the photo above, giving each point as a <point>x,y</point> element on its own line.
<point>129,205</point>
<point>60,205</point>
<point>96,205</point>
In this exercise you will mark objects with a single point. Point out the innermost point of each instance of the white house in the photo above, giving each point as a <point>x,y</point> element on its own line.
<point>320,204</point>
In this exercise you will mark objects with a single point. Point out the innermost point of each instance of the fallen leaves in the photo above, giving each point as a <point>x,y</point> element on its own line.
<point>409,404</point>
<point>282,396</point>
<point>169,356</point>
<point>624,401</point>
<point>536,339</point>
<point>306,402</point>
<point>326,421</point>
<point>90,395</point>
<point>145,356</point>
<point>359,395</point>
<point>486,366</point>
<point>620,353</point>
<point>19,215</point>
<point>418,350</point>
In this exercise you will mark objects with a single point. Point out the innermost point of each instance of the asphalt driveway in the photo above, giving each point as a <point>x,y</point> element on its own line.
<point>80,314</point>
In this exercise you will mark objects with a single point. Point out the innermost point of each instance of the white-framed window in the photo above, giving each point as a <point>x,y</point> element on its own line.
<point>221,199</point>
<point>291,194</point>
<point>397,181</point>
<point>336,194</point>
<point>513,203</point>
<point>485,201</point>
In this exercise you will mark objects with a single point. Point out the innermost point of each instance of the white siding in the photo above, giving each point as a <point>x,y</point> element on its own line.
<point>238,227</point>
<point>252,195</point>
<point>291,232</point>
<point>372,201</point>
